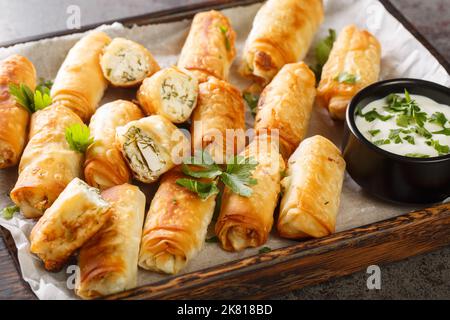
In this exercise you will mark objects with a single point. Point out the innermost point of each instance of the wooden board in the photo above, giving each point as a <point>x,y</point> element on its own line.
<point>309,262</point>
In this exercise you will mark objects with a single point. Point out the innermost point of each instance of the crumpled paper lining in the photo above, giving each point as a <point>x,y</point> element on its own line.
<point>403,56</point>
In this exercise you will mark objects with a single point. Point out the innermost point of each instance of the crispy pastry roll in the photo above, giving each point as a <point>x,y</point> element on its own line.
<point>151,146</point>
<point>354,63</point>
<point>171,93</point>
<point>13,117</point>
<point>126,63</point>
<point>209,48</point>
<point>48,164</point>
<point>312,190</point>
<point>80,84</point>
<point>220,108</point>
<point>282,33</point>
<point>105,166</point>
<point>286,105</point>
<point>175,227</point>
<point>109,260</point>
<point>246,222</point>
<point>77,214</point>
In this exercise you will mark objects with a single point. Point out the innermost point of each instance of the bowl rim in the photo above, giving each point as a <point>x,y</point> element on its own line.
<point>351,125</point>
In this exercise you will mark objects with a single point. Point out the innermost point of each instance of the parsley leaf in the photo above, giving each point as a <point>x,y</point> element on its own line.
<point>438,118</point>
<point>202,189</point>
<point>417,155</point>
<point>224,31</point>
<point>238,175</point>
<point>382,142</point>
<point>347,78</point>
<point>78,137</point>
<point>373,133</point>
<point>252,101</point>
<point>421,131</point>
<point>409,109</point>
<point>370,116</point>
<point>446,132</point>
<point>202,160</point>
<point>264,250</point>
<point>31,101</point>
<point>441,149</point>
<point>410,139</point>
<point>9,212</point>
<point>322,51</point>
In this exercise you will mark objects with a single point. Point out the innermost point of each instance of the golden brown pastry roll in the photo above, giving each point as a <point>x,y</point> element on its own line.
<point>77,214</point>
<point>109,260</point>
<point>282,33</point>
<point>151,146</point>
<point>220,107</point>
<point>105,166</point>
<point>48,164</point>
<point>209,48</point>
<point>126,63</point>
<point>286,105</point>
<point>13,117</point>
<point>80,84</point>
<point>171,93</point>
<point>175,227</point>
<point>354,63</point>
<point>312,190</point>
<point>246,222</point>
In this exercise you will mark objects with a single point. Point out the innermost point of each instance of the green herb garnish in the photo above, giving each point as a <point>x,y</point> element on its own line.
<point>31,101</point>
<point>409,110</point>
<point>421,131</point>
<point>9,212</point>
<point>371,116</point>
<point>438,118</point>
<point>373,133</point>
<point>236,175</point>
<point>382,142</point>
<point>264,250</point>
<point>446,132</point>
<point>441,149</point>
<point>252,101</point>
<point>202,189</point>
<point>417,155</point>
<point>78,137</point>
<point>224,31</point>
<point>347,78</point>
<point>410,139</point>
<point>322,51</point>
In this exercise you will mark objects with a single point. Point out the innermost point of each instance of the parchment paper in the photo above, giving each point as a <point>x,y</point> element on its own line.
<point>403,56</point>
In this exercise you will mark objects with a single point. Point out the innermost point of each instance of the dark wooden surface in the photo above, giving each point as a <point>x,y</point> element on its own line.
<point>13,287</point>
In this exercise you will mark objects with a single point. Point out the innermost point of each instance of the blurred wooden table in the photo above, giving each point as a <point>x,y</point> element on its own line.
<point>425,276</point>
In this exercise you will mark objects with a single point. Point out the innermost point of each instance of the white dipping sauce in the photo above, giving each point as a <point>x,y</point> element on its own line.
<point>405,148</point>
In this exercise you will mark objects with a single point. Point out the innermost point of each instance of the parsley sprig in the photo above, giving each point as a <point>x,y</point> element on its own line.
<point>407,109</point>
<point>322,51</point>
<point>236,175</point>
<point>31,101</point>
<point>9,212</point>
<point>78,137</point>
<point>252,101</point>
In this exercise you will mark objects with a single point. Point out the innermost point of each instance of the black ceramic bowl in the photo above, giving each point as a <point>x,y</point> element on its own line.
<point>386,175</point>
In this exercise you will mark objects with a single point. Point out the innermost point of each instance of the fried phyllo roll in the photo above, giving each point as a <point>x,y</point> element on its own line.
<point>80,84</point>
<point>171,93</point>
<point>105,166</point>
<point>246,221</point>
<point>48,164</point>
<point>126,63</point>
<point>218,121</point>
<point>209,48</point>
<point>77,214</point>
<point>175,227</point>
<point>13,117</point>
<point>109,260</point>
<point>312,190</point>
<point>151,146</point>
<point>354,63</point>
<point>282,33</point>
<point>286,105</point>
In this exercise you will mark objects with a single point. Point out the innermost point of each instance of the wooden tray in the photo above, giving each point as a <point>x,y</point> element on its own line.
<point>306,263</point>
